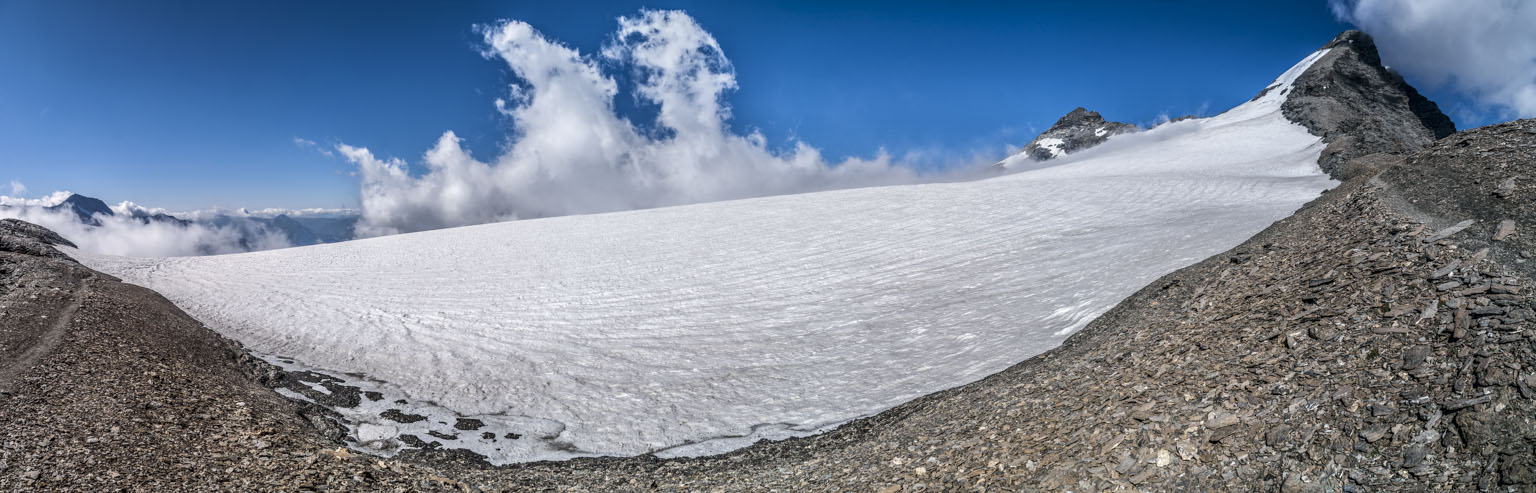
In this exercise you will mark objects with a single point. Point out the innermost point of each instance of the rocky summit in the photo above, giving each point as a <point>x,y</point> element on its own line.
<point>1078,130</point>
<point>1360,107</point>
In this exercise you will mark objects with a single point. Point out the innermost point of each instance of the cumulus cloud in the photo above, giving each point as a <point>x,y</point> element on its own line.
<point>50,200</point>
<point>126,233</point>
<point>1485,49</point>
<point>572,153</point>
<point>130,209</point>
<point>17,188</point>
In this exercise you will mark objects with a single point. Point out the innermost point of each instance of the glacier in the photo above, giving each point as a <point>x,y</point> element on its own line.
<point>700,328</point>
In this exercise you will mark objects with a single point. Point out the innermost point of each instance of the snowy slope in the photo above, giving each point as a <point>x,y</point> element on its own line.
<point>643,330</point>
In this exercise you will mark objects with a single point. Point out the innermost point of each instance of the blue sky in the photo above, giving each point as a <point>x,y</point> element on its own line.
<point>189,105</point>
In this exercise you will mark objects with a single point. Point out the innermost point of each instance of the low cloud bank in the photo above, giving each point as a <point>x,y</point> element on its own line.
<point>127,232</point>
<point>1484,49</point>
<point>572,153</point>
<point>266,213</point>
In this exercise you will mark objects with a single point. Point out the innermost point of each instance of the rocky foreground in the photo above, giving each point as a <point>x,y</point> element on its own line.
<point>1382,338</point>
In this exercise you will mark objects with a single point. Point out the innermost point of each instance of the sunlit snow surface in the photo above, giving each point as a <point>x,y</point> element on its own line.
<point>642,331</point>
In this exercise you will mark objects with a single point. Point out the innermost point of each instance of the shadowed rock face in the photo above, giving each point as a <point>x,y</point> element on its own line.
<point>1078,130</point>
<point>1360,107</point>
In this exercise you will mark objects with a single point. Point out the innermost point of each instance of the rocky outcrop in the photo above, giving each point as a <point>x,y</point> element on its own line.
<point>1079,129</point>
<point>1360,107</point>
<point>29,239</point>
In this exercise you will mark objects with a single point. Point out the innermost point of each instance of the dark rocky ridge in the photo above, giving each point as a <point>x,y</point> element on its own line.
<point>1360,107</point>
<point>1357,106</point>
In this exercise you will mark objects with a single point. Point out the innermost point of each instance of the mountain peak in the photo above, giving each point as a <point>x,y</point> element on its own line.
<point>90,204</point>
<point>1360,42</point>
<point>1360,107</point>
<point>1077,130</point>
<point>1077,118</point>
<point>85,208</point>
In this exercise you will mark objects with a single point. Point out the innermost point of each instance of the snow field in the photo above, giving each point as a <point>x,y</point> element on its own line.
<point>701,328</point>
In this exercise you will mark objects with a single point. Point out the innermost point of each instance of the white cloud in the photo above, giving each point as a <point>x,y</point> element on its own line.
<point>17,188</point>
<point>49,201</point>
<point>306,212</point>
<point>1485,49</point>
<point>124,235</point>
<point>130,208</point>
<point>572,153</point>
<point>304,143</point>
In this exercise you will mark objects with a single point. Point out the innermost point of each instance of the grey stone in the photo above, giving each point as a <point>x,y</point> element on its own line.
<point>1450,231</point>
<point>1459,404</point>
<point>1413,455</point>
<point>1505,188</point>
<point>1506,228</point>
<point>1221,419</point>
<point>1414,356</point>
<point>1488,311</point>
<point>1476,429</point>
<point>1518,469</point>
<point>1374,432</point>
<point>1447,270</point>
<point>1279,437</point>
<point>1495,376</point>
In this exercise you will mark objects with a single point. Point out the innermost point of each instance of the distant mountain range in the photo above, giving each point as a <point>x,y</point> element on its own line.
<point>299,230</point>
